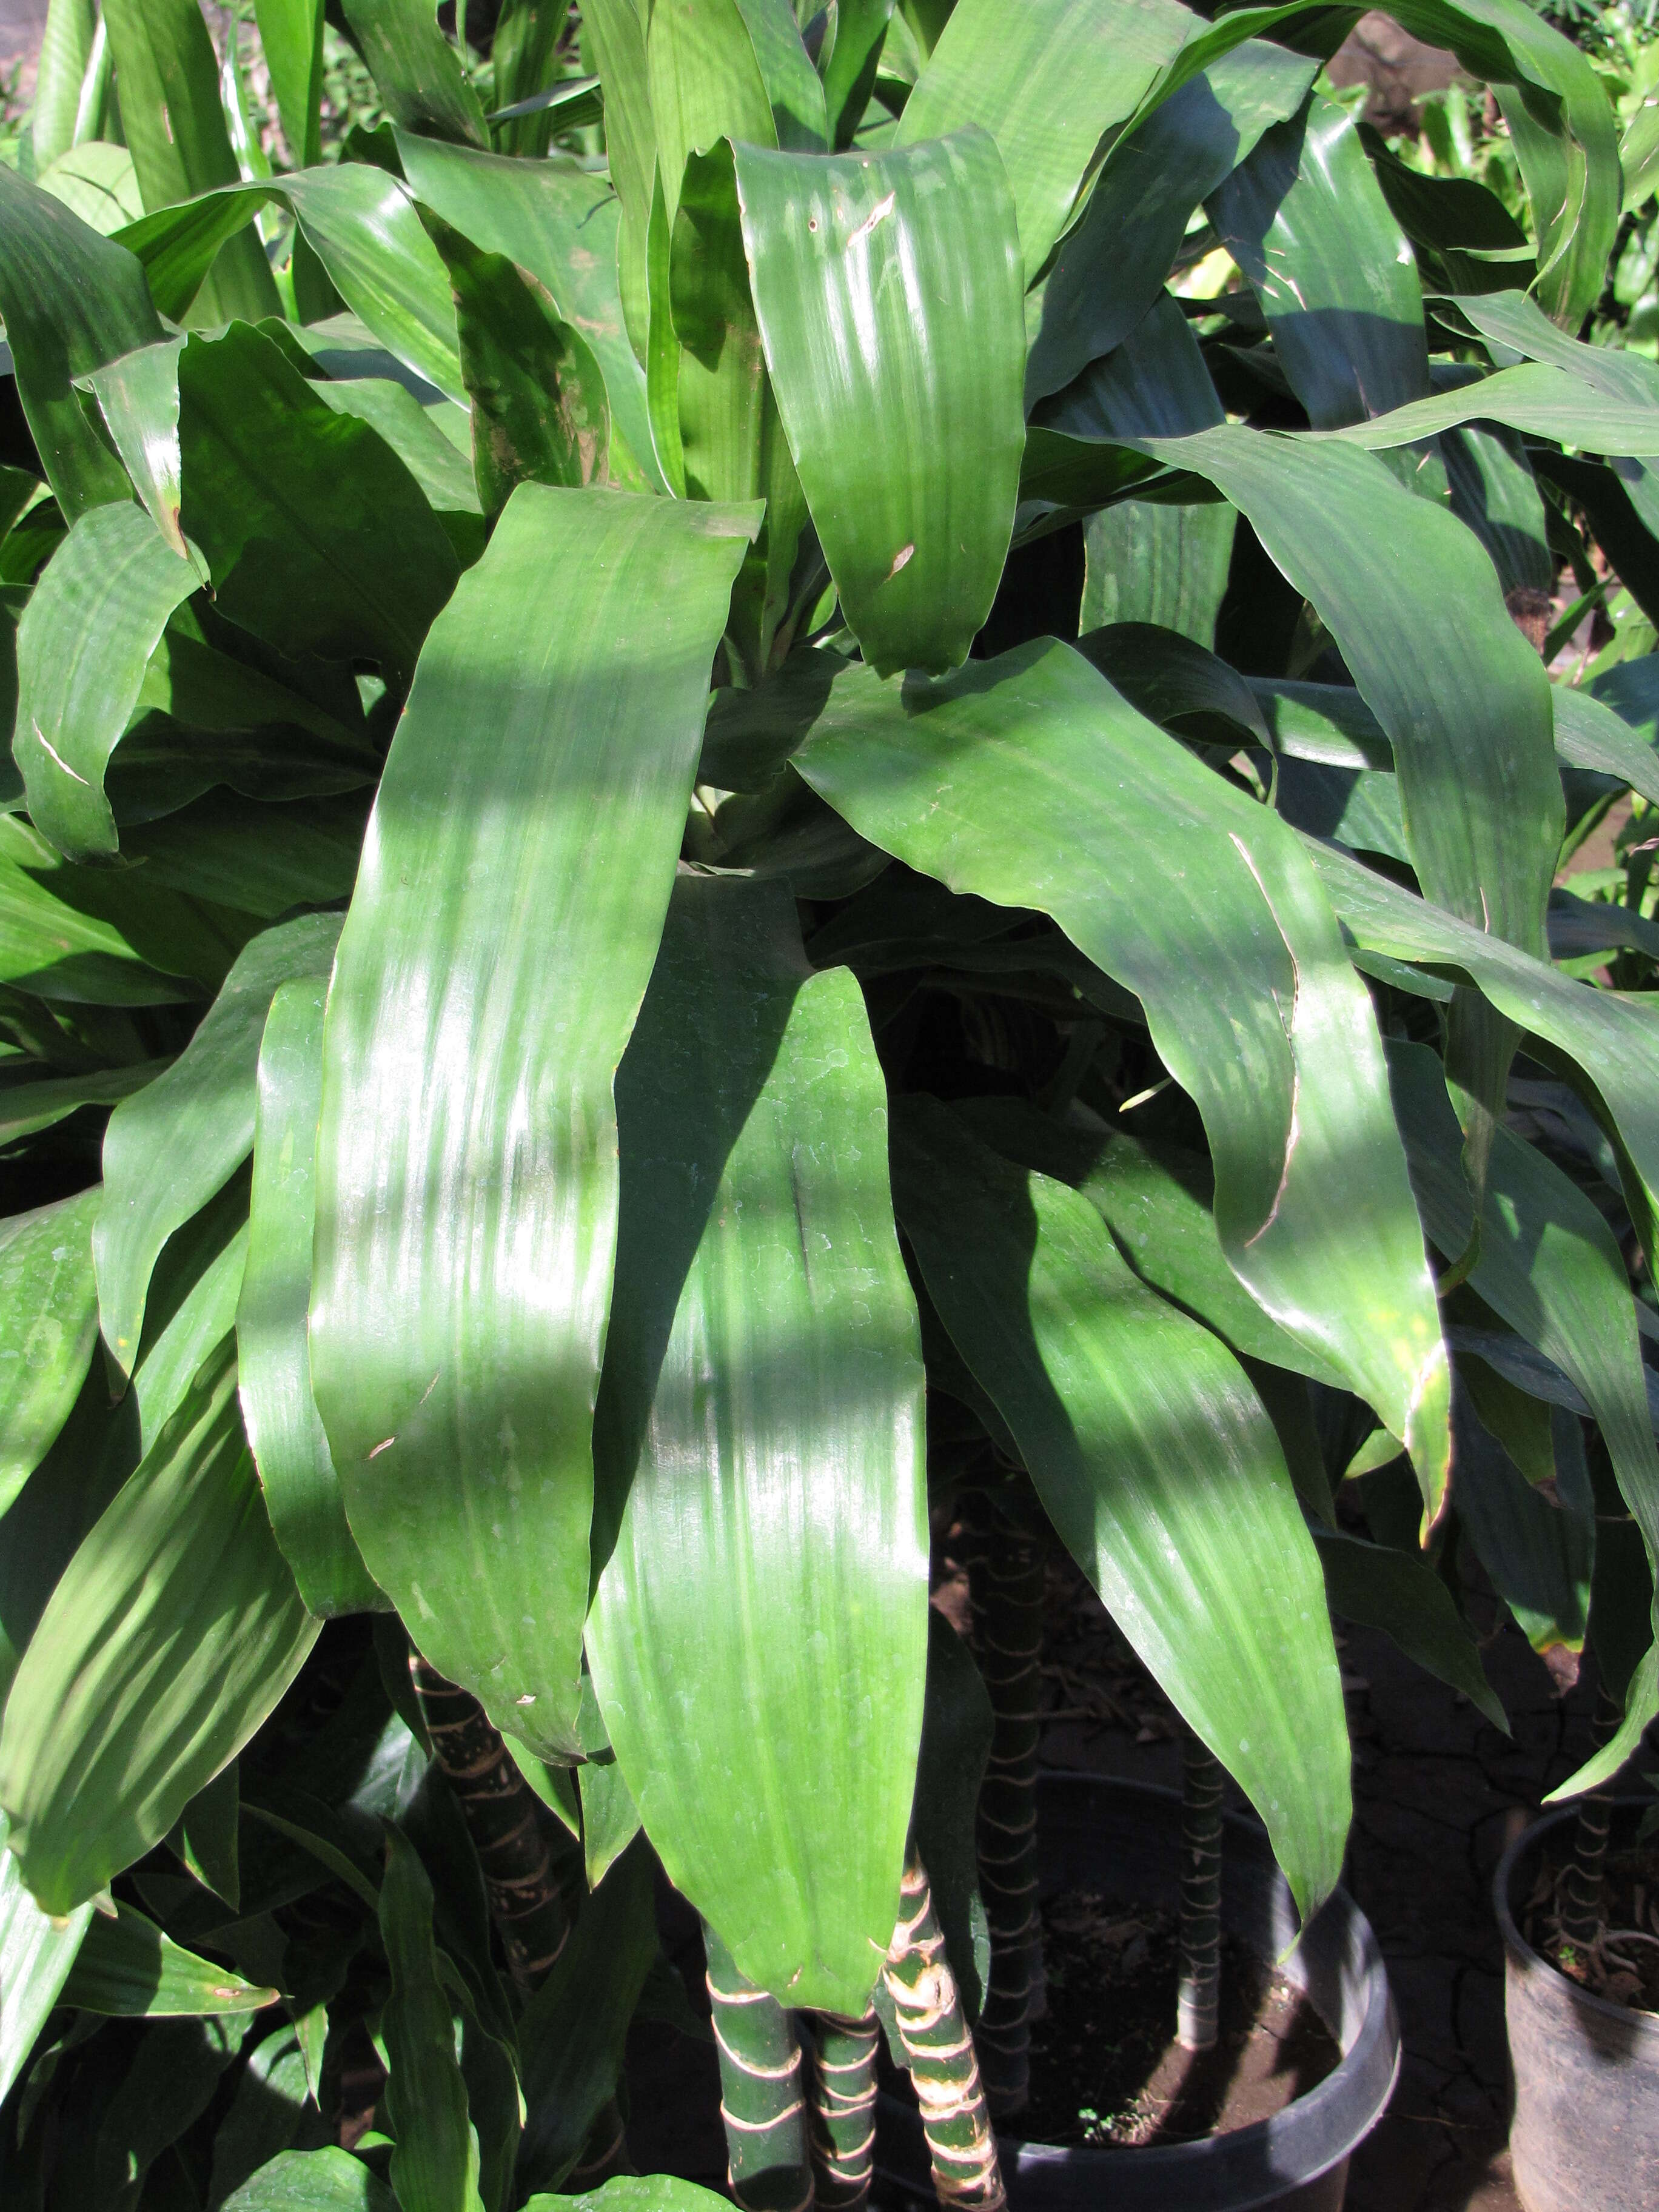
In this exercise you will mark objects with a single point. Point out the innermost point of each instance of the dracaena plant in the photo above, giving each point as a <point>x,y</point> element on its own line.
<point>711,839</point>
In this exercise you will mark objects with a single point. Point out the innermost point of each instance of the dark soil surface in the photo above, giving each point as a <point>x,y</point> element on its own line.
<point>1105,2067</point>
<point>1623,1963</point>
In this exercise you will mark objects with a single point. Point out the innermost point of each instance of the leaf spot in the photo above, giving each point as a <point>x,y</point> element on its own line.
<point>879,213</point>
<point>904,554</point>
<point>48,745</point>
<point>386,1446</point>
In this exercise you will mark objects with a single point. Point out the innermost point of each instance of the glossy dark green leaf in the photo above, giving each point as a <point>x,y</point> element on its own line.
<point>1156,1465</point>
<point>167,77</point>
<point>313,2181</point>
<point>273,1351</point>
<point>169,1147</point>
<point>434,2164</point>
<point>36,1952</point>
<point>175,2067</point>
<point>488,976</point>
<point>70,301</point>
<point>266,2114</point>
<point>1547,1263</point>
<point>1495,492</point>
<point>317,537</point>
<point>291,40</point>
<point>758,1633</point>
<point>1305,219</point>
<point>728,69</point>
<point>1028,781</point>
<point>1048,80</point>
<point>1113,264</point>
<point>571,2034</point>
<point>54,943</point>
<point>849,76</point>
<point>418,74</point>
<point>1539,1551</point>
<point>1154,564</point>
<point>558,223</point>
<point>539,411</point>
<point>888,289</point>
<point>1589,733</point>
<point>173,1634</point>
<point>1380,1587</point>
<point>260,859</point>
<point>206,1836</point>
<point>84,644</point>
<point>1170,678</point>
<point>48,1326</point>
<point>127,1968</point>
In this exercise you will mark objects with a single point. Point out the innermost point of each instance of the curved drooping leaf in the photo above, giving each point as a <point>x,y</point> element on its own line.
<point>1589,733</point>
<point>54,943</point>
<point>48,1326</point>
<point>128,1968</point>
<point>84,644</point>
<point>558,223</point>
<point>173,1634</point>
<point>1381,1588</point>
<point>36,1952</point>
<point>435,2162</point>
<point>70,301</point>
<point>273,1351</point>
<point>888,289</point>
<point>728,69</point>
<point>1113,264</point>
<point>1547,1263</point>
<point>172,119</point>
<point>1048,80</point>
<point>1536,397</point>
<point>488,975</point>
<point>1305,219</point>
<point>758,1635</point>
<point>28,1107</point>
<point>169,1147</point>
<point>1641,1705</point>
<point>317,537</point>
<point>1609,1042</point>
<point>1156,1465</point>
<point>1171,678</point>
<point>417,72</point>
<point>1028,780</point>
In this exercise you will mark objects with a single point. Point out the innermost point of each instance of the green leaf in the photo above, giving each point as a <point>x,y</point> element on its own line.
<point>27,1107</point>
<point>1495,492</point>
<point>633,2192</point>
<point>1381,1588</point>
<point>413,431</point>
<point>957,1729</point>
<point>291,40</point>
<point>173,1634</point>
<point>1609,1041</point>
<point>173,121</point>
<point>70,301</point>
<point>539,411</point>
<point>559,224</point>
<point>1305,219</point>
<point>65,50</point>
<point>1547,1263</point>
<point>618,40</point>
<point>169,1147</point>
<point>204,1268</point>
<point>419,75</point>
<point>266,2112</point>
<point>435,2162</point>
<point>317,538</point>
<point>488,979</point>
<point>127,1968</point>
<point>96,182</point>
<point>1155,1462</point>
<point>1113,264</point>
<point>313,2181</point>
<point>1147,563</point>
<point>48,1326</point>
<point>1048,80</point>
<point>84,644</point>
<point>138,396</point>
<point>1590,734</point>
<point>285,1433</point>
<point>888,289</point>
<point>205,1837</point>
<point>1027,780</point>
<point>175,2067</point>
<point>1545,401</point>
<point>1538,1551</point>
<point>758,1633</point>
<point>573,2030</point>
<point>728,69</point>
<point>1641,1705</point>
<point>849,76</point>
<point>54,943</point>
<point>36,1954</point>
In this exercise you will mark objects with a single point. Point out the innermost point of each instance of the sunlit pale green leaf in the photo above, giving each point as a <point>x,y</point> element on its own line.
<point>127,1966</point>
<point>48,1326</point>
<point>36,1952</point>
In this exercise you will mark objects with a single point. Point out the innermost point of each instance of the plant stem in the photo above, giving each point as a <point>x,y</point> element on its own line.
<point>843,2136</point>
<point>1582,1890</point>
<point>1008,1625</point>
<point>933,2029</point>
<point>763,2102</point>
<point>499,1810</point>
<point>1198,1986</point>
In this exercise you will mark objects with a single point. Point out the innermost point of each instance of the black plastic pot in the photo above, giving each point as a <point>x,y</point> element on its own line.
<point>1125,1838</point>
<point>1585,2136</point>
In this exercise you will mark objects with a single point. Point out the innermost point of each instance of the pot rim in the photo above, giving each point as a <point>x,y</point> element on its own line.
<point>1299,2123</point>
<point>1516,1944</point>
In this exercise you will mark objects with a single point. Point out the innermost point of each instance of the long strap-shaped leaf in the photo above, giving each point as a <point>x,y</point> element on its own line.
<point>1048,80</point>
<point>758,1638</point>
<point>173,1632</point>
<point>1154,1462</point>
<point>302,1492</point>
<point>1028,780</point>
<point>514,878</point>
<point>36,1952</point>
<point>48,1326</point>
<point>888,289</point>
<point>419,73</point>
<point>168,1148</point>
